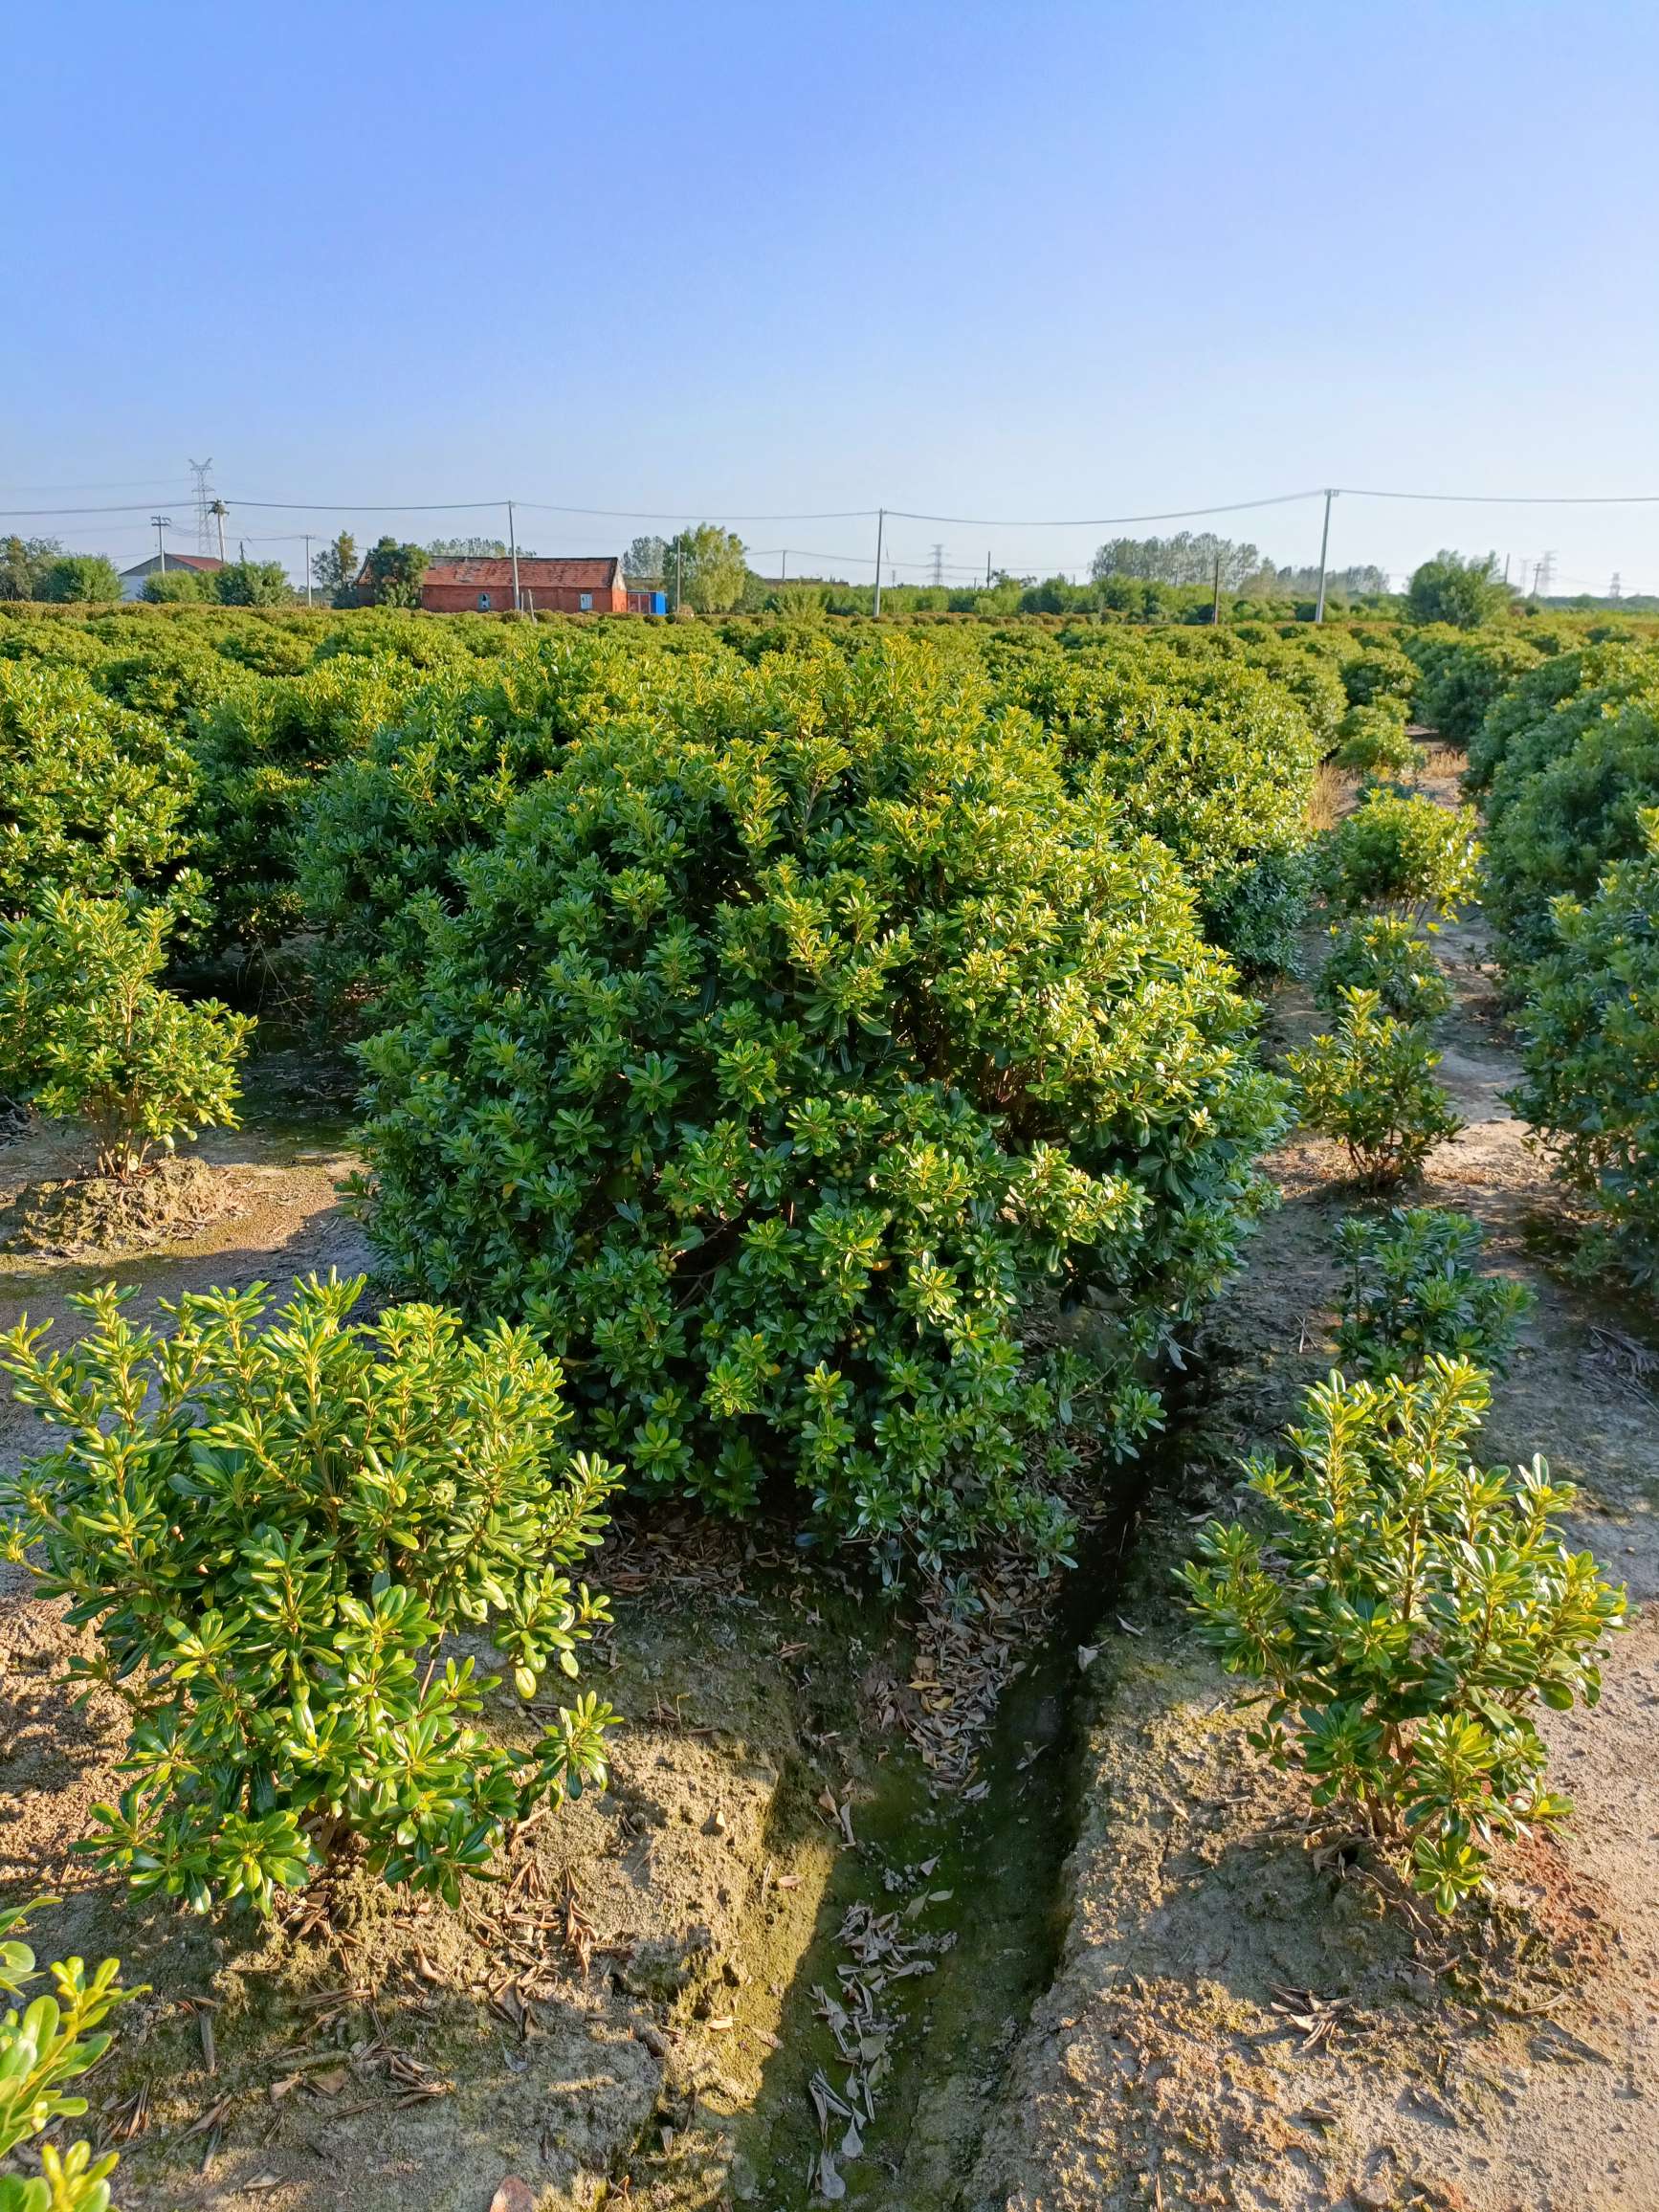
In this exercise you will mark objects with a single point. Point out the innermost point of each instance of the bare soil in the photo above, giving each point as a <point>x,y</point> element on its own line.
<point>1242,2020</point>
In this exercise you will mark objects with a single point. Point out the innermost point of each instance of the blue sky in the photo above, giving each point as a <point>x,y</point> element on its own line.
<point>1004,261</point>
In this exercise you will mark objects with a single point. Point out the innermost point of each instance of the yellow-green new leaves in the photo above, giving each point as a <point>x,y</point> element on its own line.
<point>52,2042</point>
<point>87,1031</point>
<point>271,1531</point>
<point>1406,1612</point>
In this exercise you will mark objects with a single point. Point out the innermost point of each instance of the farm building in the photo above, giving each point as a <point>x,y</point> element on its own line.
<point>562,584</point>
<point>134,580</point>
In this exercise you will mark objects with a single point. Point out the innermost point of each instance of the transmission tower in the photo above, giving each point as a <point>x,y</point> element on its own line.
<point>203,472</point>
<point>1544,576</point>
<point>1616,589</point>
<point>938,565</point>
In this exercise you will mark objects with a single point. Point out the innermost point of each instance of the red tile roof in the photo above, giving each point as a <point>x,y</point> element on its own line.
<point>578,573</point>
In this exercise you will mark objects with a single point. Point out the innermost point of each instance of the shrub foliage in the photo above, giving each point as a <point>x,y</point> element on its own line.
<point>53,2040</point>
<point>272,1531</point>
<point>774,1068</point>
<point>1406,1611</point>
<point>1381,953</point>
<point>87,1033</point>
<point>1370,1085</point>
<point>1398,849</point>
<point>1590,1052</point>
<point>1410,1292</point>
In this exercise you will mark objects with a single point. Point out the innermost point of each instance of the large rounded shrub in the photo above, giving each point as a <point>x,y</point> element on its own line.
<point>92,797</point>
<point>1212,756</point>
<point>834,1090</point>
<point>1461,676</point>
<point>386,829</point>
<point>1568,790</point>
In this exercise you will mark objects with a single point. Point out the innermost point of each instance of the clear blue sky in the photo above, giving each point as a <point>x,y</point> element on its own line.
<point>1007,260</point>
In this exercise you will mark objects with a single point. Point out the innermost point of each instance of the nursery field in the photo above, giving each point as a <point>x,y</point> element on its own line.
<point>762,1269</point>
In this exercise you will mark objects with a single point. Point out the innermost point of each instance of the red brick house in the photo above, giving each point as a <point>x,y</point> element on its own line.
<point>575,586</point>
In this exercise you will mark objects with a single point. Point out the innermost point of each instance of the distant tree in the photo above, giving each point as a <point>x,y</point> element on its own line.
<point>1189,556</point>
<point>178,588</point>
<point>643,560</point>
<point>24,563</point>
<point>395,572</point>
<point>473,549</point>
<point>707,567</point>
<point>80,576</point>
<point>1465,590</point>
<point>253,584</point>
<point>334,569</point>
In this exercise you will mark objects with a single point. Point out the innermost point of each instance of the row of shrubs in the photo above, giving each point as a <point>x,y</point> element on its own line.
<point>1566,763</point>
<point>808,1058</point>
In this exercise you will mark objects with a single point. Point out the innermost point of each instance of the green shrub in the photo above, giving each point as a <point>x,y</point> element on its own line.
<point>1589,1027</point>
<point>51,2043</point>
<point>1379,674</point>
<point>1370,1086</point>
<point>1374,738</point>
<point>1379,952</point>
<point>1410,1291</point>
<point>1405,1615</point>
<point>179,587</point>
<point>92,797</point>
<point>384,832</point>
<point>86,1031</point>
<point>262,750</point>
<point>1398,849</point>
<point>784,1057</point>
<point>1462,677</point>
<point>1583,681</point>
<point>1567,794</point>
<point>1213,758</point>
<point>272,1531</point>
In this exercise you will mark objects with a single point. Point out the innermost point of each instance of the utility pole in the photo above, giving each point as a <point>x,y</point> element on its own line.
<point>988,567</point>
<point>1506,568</point>
<point>513,550</point>
<point>1324,548</point>
<point>880,525</point>
<point>309,568</point>
<point>218,510</point>
<point>159,524</point>
<point>783,572</point>
<point>678,572</point>
<point>1215,603</point>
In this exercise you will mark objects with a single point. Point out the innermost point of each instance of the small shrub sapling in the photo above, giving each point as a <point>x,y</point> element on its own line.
<point>1374,738</point>
<point>1410,1292</point>
<point>1398,849</point>
<point>272,1531</point>
<point>1405,1613</point>
<point>1370,1086</point>
<point>1379,952</point>
<point>52,2042</point>
<point>87,1033</point>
